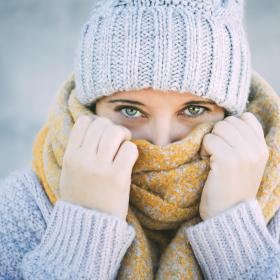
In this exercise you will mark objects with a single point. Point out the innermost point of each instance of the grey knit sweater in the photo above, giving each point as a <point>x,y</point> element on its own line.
<point>66,241</point>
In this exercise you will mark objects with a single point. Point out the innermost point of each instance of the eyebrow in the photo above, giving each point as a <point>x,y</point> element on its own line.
<point>126,101</point>
<point>200,102</point>
<point>141,104</point>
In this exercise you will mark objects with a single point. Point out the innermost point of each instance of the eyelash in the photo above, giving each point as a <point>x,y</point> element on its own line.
<point>205,111</point>
<point>119,108</point>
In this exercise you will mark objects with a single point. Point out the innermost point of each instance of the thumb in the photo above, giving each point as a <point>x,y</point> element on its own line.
<point>203,152</point>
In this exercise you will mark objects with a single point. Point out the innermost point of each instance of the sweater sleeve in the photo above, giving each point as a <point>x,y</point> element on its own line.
<point>79,243</point>
<point>237,244</point>
<point>73,243</point>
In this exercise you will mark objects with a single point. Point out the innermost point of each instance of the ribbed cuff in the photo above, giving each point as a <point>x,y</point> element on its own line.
<point>234,242</point>
<point>83,241</point>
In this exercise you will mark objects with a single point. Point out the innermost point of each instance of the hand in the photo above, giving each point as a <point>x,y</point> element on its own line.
<point>97,165</point>
<point>238,156</point>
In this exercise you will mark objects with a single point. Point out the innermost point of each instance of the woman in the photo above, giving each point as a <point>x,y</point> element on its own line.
<point>158,160</point>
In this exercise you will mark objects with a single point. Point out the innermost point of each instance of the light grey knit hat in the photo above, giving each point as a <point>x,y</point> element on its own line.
<point>195,46</point>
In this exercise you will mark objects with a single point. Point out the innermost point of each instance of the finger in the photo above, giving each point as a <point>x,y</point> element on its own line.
<point>78,131</point>
<point>254,123</point>
<point>93,135</point>
<point>243,128</point>
<point>110,141</point>
<point>215,146</point>
<point>228,133</point>
<point>126,156</point>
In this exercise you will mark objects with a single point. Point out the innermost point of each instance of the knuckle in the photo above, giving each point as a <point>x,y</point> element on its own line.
<point>120,131</point>
<point>248,115</point>
<point>113,131</point>
<point>131,146</point>
<point>220,126</point>
<point>251,116</point>
<point>133,149</point>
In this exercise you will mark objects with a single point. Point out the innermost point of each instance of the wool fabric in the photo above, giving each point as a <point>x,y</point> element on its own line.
<point>167,182</point>
<point>197,46</point>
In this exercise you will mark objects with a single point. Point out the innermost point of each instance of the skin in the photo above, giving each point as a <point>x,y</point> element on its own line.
<point>236,145</point>
<point>163,118</point>
<point>99,157</point>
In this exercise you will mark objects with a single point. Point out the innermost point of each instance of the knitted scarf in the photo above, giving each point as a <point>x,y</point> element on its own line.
<point>166,182</point>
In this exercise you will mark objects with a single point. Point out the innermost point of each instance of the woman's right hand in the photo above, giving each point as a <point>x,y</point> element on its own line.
<point>97,165</point>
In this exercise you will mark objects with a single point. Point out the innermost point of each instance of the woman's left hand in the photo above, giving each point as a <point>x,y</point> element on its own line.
<point>238,156</point>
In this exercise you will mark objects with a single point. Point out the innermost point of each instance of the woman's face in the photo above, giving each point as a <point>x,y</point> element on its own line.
<point>156,116</point>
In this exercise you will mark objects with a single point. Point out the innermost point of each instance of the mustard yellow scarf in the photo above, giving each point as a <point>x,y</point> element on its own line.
<point>166,183</point>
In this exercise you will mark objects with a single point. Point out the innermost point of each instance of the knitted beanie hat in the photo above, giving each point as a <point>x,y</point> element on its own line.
<point>195,46</point>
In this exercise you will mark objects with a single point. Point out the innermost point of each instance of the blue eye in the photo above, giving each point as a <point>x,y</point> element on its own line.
<point>129,112</point>
<point>195,110</point>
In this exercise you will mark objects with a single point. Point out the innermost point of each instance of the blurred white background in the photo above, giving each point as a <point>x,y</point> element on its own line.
<point>37,45</point>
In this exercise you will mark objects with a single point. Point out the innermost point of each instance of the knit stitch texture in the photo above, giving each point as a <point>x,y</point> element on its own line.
<point>166,183</point>
<point>196,46</point>
<point>66,241</point>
